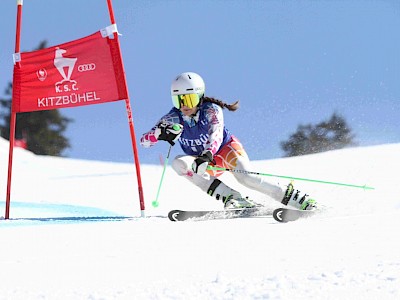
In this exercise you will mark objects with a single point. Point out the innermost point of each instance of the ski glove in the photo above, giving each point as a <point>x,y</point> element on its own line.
<point>168,132</point>
<point>200,164</point>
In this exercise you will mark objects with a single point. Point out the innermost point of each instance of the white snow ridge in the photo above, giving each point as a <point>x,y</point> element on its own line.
<point>75,233</point>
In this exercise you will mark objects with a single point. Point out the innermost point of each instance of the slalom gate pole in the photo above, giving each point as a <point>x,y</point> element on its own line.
<point>365,187</point>
<point>130,121</point>
<point>13,113</point>
<point>155,203</point>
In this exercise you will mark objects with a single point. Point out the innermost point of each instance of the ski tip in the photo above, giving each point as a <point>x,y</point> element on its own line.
<point>285,215</point>
<point>277,214</point>
<point>173,215</point>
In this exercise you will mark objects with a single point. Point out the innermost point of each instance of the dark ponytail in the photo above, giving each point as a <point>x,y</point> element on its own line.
<point>231,107</point>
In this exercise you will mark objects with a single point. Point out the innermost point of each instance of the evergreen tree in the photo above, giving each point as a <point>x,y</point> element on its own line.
<point>325,136</point>
<point>43,130</point>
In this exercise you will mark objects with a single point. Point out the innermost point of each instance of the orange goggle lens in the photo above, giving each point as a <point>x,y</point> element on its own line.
<point>188,100</point>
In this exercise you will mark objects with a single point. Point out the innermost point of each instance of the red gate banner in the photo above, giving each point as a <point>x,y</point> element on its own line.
<point>82,72</point>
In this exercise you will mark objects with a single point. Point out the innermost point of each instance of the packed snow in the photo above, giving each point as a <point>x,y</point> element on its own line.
<point>75,232</point>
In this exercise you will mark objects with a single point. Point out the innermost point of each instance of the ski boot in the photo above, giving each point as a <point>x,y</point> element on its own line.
<point>292,198</point>
<point>232,199</point>
<point>230,203</point>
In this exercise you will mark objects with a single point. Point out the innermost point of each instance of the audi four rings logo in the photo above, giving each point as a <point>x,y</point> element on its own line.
<point>86,67</point>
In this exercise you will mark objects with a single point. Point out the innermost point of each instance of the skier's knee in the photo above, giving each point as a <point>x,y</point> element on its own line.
<point>181,165</point>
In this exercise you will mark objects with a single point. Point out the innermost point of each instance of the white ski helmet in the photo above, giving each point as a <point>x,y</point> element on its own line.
<point>188,83</point>
<point>187,89</point>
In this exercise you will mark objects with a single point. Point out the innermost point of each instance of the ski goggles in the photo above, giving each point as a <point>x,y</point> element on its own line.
<point>188,100</point>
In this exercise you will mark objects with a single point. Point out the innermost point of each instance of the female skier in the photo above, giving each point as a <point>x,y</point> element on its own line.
<point>197,122</point>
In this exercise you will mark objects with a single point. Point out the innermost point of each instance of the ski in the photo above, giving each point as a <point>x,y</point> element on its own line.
<point>200,215</point>
<point>285,215</point>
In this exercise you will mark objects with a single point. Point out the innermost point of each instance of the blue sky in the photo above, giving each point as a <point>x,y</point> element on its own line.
<point>288,62</point>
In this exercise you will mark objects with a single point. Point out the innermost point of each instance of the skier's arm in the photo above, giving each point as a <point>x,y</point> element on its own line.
<point>216,134</point>
<point>163,130</point>
<point>215,119</point>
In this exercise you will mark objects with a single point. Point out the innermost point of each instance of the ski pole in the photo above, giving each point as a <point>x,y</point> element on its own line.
<point>365,187</point>
<point>155,203</point>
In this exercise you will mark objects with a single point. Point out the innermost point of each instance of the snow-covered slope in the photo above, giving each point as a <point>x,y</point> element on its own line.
<point>50,249</point>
